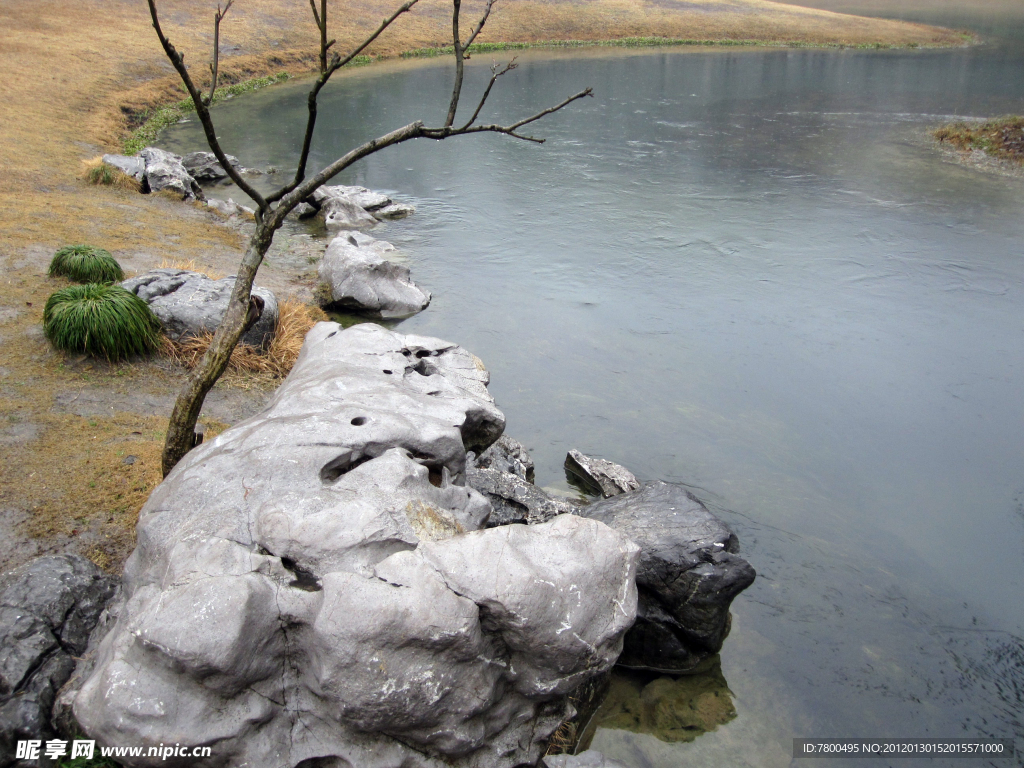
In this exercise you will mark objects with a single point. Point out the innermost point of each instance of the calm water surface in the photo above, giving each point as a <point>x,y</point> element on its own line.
<point>750,272</point>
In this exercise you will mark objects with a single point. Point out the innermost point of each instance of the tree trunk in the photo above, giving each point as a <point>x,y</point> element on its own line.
<point>241,313</point>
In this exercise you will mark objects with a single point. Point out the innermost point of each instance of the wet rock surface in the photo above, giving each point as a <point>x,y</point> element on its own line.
<point>600,477</point>
<point>314,586</point>
<point>688,575</point>
<point>48,607</point>
<point>189,304</point>
<point>358,278</point>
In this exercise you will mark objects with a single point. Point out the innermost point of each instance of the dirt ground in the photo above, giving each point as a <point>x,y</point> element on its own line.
<point>79,438</point>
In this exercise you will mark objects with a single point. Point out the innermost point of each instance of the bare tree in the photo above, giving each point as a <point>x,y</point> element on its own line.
<point>244,309</point>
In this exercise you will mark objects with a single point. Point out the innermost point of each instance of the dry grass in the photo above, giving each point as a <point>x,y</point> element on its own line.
<point>1002,137</point>
<point>95,171</point>
<point>190,265</point>
<point>249,366</point>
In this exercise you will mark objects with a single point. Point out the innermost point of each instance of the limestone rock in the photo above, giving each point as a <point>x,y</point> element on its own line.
<point>341,213</point>
<point>188,304</point>
<point>598,476</point>
<point>689,573</point>
<point>132,166</point>
<point>361,196</point>
<point>204,166</point>
<point>311,588</point>
<point>516,500</point>
<point>507,455</point>
<point>359,279</point>
<point>394,211</point>
<point>165,171</point>
<point>230,208</point>
<point>48,607</point>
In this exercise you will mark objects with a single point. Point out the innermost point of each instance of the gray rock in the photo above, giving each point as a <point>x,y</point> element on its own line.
<point>359,279</point>
<point>394,211</point>
<point>204,166</point>
<point>304,211</point>
<point>507,455</point>
<point>341,213</point>
<point>516,500</point>
<point>598,476</point>
<point>48,607</point>
<point>133,166</point>
<point>165,171</point>
<point>309,587</point>
<point>689,573</point>
<point>361,196</point>
<point>189,304</point>
<point>230,208</point>
<point>589,759</point>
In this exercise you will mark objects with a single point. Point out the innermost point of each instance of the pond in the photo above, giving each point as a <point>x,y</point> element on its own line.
<point>748,271</point>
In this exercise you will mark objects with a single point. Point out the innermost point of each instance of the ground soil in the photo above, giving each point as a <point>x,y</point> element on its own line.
<point>79,438</point>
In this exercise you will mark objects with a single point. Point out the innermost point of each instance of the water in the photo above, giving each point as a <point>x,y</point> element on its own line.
<point>749,271</point>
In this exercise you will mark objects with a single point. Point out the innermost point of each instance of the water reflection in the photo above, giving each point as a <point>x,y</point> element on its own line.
<point>672,709</point>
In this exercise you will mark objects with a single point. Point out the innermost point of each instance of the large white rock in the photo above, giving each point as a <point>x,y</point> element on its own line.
<point>311,585</point>
<point>358,278</point>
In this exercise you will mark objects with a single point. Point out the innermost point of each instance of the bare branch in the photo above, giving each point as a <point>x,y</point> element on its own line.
<point>311,101</point>
<point>218,17</point>
<point>509,130</point>
<point>480,24</point>
<point>495,74</point>
<point>178,62</point>
<point>460,51</point>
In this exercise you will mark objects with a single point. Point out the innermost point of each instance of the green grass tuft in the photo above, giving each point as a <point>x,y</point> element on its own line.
<point>86,264</point>
<point>102,320</point>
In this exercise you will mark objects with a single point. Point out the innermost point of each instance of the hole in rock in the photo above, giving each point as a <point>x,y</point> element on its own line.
<point>387,371</point>
<point>423,353</point>
<point>358,421</point>
<point>304,579</point>
<point>332,333</point>
<point>435,475</point>
<point>335,468</point>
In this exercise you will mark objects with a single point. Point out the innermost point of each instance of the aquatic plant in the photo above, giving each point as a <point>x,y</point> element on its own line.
<point>1002,137</point>
<point>86,264</point>
<point>103,320</point>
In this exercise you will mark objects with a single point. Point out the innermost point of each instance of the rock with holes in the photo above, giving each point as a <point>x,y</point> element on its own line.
<point>189,304</point>
<point>315,586</point>
<point>164,171</point>
<point>358,278</point>
<point>48,607</point>
<point>689,573</point>
<point>597,476</point>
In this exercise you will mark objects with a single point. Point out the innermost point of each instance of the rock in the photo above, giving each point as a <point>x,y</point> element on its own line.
<point>230,208</point>
<point>204,166</point>
<point>589,759</point>
<point>165,171</point>
<point>48,607</point>
<point>361,196</point>
<point>309,587</point>
<point>341,213</point>
<point>689,573</point>
<point>132,166</point>
<point>507,455</point>
<point>189,304</point>
<point>304,211</point>
<point>516,500</point>
<point>394,211</point>
<point>358,278</point>
<point>599,476</point>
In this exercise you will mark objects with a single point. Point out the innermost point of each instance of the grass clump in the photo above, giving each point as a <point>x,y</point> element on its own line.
<point>295,319</point>
<point>102,320</point>
<point>86,264</point>
<point>1002,137</point>
<point>101,173</point>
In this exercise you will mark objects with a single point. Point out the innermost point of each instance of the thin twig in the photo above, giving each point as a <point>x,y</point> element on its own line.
<point>218,17</point>
<point>495,74</point>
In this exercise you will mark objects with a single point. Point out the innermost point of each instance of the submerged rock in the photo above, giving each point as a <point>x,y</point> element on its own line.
<point>189,304</point>
<point>394,211</point>
<point>359,279</point>
<point>598,476</point>
<point>689,573</point>
<point>48,607</point>
<point>310,587</point>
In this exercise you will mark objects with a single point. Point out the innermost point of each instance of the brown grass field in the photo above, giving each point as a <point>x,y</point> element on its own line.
<point>80,439</point>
